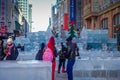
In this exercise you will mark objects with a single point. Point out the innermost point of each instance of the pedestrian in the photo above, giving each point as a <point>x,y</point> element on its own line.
<point>40,52</point>
<point>62,58</point>
<point>50,54</point>
<point>22,47</point>
<point>11,50</point>
<point>72,52</point>
<point>2,54</point>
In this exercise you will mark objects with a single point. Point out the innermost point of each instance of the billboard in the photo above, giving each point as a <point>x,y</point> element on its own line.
<point>72,11</point>
<point>65,21</point>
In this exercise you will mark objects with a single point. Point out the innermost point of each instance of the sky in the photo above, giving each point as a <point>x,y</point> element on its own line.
<point>40,14</point>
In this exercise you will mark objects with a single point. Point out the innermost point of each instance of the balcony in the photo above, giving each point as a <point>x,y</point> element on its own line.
<point>90,10</point>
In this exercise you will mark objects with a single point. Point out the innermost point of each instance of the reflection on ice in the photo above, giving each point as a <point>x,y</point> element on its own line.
<point>28,62</point>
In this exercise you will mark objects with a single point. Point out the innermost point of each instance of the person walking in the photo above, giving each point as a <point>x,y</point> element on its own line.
<point>62,58</point>
<point>40,52</point>
<point>50,54</point>
<point>72,52</point>
<point>11,50</point>
<point>2,54</point>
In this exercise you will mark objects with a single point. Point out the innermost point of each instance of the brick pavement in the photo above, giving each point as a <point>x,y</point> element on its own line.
<point>60,76</point>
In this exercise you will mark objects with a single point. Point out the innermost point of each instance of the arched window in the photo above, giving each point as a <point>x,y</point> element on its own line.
<point>104,23</point>
<point>117,19</point>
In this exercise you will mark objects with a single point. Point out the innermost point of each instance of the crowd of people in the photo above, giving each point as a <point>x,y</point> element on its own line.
<point>68,51</point>
<point>47,52</point>
<point>9,51</point>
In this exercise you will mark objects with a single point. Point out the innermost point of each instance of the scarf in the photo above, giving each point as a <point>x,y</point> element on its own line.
<point>9,47</point>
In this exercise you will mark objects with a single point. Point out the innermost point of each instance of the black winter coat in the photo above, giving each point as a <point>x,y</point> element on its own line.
<point>2,55</point>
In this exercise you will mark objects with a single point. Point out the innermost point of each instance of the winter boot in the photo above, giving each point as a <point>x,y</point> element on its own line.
<point>58,70</point>
<point>63,70</point>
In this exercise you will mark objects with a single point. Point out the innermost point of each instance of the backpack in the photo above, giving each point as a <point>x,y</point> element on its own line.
<point>48,55</point>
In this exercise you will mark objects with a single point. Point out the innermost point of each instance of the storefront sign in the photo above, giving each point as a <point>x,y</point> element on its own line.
<point>65,21</point>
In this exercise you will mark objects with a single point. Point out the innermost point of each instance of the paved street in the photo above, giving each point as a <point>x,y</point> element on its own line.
<point>96,75</point>
<point>61,76</point>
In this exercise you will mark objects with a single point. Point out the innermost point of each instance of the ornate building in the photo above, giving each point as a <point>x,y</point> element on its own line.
<point>103,14</point>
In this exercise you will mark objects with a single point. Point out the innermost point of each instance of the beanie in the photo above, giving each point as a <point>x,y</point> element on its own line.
<point>10,40</point>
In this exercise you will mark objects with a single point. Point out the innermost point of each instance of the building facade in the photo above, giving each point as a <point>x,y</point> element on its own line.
<point>109,18</point>
<point>6,6</point>
<point>66,12</point>
<point>79,14</point>
<point>30,17</point>
<point>103,14</point>
<point>90,13</point>
<point>17,19</point>
<point>26,9</point>
<point>11,19</point>
<point>24,6</point>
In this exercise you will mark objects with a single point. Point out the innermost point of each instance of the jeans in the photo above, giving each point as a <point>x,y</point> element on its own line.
<point>70,64</point>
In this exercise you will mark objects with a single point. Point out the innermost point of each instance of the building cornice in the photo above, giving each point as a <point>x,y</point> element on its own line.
<point>111,7</point>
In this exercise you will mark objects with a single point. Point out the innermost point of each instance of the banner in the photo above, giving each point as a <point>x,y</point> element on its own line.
<point>65,21</point>
<point>72,11</point>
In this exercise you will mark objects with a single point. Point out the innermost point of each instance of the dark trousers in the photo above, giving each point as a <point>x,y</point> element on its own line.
<point>70,64</point>
<point>61,63</point>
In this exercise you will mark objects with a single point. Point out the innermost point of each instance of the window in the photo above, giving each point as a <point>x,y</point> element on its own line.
<point>117,19</point>
<point>106,1</point>
<point>104,24</point>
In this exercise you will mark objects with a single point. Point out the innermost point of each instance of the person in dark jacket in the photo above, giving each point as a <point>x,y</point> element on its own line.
<point>62,58</point>
<point>40,52</point>
<point>21,47</point>
<point>71,54</point>
<point>2,54</point>
<point>11,50</point>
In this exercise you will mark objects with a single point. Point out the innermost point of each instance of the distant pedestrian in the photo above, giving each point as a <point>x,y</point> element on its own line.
<point>2,54</point>
<point>62,53</point>
<point>50,54</point>
<point>40,52</point>
<point>72,52</point>
<point>11,50</point>
<point>22,47</point>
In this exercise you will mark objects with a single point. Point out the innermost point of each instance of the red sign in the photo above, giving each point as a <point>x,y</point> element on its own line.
<point>66,21</point>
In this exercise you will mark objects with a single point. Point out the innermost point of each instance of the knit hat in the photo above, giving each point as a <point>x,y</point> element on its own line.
<point>69,38</point>
<point>42,45</point>
<point>52,40</point>
<point>10,40</point>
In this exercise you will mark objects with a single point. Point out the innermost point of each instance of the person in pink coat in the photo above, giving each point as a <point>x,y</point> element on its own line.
<point>49,54</point>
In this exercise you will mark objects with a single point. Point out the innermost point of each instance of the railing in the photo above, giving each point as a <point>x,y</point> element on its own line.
<point>108,4</point>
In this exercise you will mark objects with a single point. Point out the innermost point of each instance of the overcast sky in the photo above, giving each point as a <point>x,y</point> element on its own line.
<point>41,13</point>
